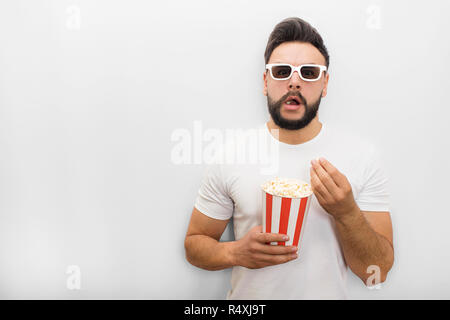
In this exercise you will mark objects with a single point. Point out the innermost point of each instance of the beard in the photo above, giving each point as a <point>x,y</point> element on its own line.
<point>309,114</point>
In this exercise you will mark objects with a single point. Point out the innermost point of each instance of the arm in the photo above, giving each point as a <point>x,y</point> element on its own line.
<point>202,245</point>
<point>204,249</point>
<point>366,239</point>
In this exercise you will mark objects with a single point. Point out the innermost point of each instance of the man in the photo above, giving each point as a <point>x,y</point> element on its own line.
<point>349,222</point>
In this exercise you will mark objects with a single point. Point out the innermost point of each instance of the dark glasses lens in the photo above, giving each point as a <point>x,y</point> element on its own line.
<point>309,72</point>
<point>281,72</point>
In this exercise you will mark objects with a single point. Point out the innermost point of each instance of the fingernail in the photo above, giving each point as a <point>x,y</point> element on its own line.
<point>285,238</point>
<point>294,249</point>
<point>294,256</point>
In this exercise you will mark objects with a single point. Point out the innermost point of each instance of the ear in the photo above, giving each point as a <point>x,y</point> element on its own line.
<point>324,91</point>
<point>265,83</point>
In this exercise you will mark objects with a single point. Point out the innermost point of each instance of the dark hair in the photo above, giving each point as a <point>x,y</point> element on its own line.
<point>295,29</point>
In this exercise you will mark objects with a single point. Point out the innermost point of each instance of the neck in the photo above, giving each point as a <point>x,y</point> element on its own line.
<point>296,136</point>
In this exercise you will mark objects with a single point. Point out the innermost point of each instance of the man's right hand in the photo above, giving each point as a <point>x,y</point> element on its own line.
<point>254,251</point>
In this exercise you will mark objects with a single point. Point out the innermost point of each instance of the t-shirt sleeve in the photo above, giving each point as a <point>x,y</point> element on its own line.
<point>213,199</point>
<point>375,194</point>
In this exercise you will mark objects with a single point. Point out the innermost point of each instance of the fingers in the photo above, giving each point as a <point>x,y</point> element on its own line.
<point>271,237</point>
<point>319,190</point>
<point>276,250</point>
<point>326,177</point>
<point>261,253</point>
<point>264,240</point>
<point>269,260</point>
<point>336,175</point>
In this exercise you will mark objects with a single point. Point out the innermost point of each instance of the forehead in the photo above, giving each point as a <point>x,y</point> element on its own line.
<point>296,53</point>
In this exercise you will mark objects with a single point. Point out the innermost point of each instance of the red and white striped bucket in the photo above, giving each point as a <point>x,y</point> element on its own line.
<point>286,216</point>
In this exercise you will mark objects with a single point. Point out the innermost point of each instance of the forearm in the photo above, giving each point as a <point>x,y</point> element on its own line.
<point>363,247</point>
<point>207,253</point>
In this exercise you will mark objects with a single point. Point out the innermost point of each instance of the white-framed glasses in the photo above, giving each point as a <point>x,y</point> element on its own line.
<point>307,72</point>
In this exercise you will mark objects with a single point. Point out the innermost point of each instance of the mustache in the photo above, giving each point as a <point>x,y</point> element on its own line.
<point>293,94</point>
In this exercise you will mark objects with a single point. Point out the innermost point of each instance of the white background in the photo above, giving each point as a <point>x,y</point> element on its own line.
<point>91,92</point>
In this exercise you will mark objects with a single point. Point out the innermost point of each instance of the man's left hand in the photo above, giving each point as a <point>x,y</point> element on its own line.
<point>332,189</point>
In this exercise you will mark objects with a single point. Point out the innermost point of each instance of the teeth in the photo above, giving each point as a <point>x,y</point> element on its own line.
<point>289,102</point>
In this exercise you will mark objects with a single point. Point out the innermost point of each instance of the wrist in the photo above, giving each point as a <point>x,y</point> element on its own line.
<point>349,217</point>
<point>230,253</point>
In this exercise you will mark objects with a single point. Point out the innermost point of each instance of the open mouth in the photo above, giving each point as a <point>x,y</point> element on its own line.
<point>294,101</point>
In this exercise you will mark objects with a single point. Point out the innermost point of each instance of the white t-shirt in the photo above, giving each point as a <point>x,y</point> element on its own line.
<point>232,189</point>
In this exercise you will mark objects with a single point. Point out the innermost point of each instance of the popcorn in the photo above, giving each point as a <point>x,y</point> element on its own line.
<point>290,188</point>
<point>285,206</point>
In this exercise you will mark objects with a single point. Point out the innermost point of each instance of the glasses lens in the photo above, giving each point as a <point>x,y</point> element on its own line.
<point>310,73</point>
<point>281,72</point>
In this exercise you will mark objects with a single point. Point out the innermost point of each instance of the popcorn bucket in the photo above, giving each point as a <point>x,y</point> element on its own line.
<point>286,214</point>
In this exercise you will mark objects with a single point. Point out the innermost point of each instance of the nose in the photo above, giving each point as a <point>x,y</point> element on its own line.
<point>294,81</point>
